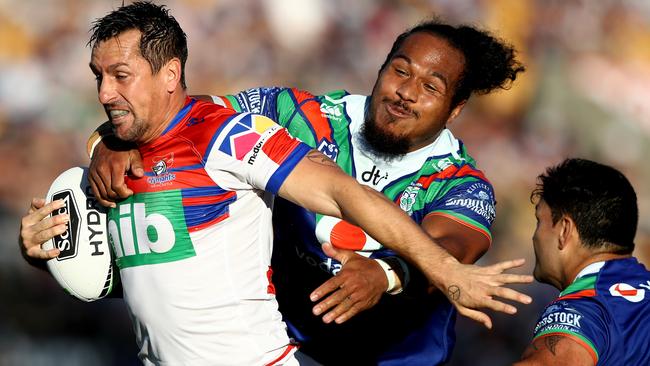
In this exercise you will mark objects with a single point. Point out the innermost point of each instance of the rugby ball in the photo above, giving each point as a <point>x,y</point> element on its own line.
<point>84,268</point>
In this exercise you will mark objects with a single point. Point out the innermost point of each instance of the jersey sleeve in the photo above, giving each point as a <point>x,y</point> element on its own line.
<point>305,116</point>
<point>255,150</point>
<point>583,320</point>
<point>263,100</point>
<point>470,201</point>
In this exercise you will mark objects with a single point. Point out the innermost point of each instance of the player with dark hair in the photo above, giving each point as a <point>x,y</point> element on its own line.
<point>193,242</point>
<point>396,142</point>
<point>587,217</point>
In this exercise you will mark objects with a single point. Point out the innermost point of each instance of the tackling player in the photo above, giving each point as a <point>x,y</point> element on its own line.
<point>193,243</point>
<point>586,221</point>
<point>396,142</point>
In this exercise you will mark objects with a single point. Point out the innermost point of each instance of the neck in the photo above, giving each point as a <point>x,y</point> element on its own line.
<point>599,257</point>
<point>420,144</point>
<point>175,103</point>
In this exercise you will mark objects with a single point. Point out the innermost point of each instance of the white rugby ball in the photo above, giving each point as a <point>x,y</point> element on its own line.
<point>84,268</point>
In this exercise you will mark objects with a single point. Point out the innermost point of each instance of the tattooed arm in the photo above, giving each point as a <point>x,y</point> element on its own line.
<point>556,350</point>
<point>319,185</point>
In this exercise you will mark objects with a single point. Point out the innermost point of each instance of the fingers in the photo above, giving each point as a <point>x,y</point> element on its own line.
<point>137,168</point>
<point>36,204</point>
<point>42,254</point>
<point>475,315</point>
<point>507,278</point>
<point>330,285</point>
<point>340,255</point>
<point>510,294</point>
<point>342,304</point>
<point>99,190</point>
<point>505,265</point>
<point>37,214</point>
<point>119,186</point>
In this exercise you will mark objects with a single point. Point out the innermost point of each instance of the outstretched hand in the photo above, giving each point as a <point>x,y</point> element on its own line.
<point>358,286</point>
<point>109,163</point>
<point>471,287</point>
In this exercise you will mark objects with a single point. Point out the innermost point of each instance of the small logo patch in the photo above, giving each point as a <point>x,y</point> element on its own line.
<point>627,292</point>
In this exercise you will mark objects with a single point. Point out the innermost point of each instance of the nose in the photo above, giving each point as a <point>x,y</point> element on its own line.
<point>407,90</point>
<point>105,90</point>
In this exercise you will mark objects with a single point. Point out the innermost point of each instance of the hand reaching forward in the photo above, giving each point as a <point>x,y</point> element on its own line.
<point>472,287</point>
<point>358,286</point>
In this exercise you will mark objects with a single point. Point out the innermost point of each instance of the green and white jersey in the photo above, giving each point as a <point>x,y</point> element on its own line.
<point>439,179</point>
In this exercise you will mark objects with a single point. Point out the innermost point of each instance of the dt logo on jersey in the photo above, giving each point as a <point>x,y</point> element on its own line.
<point>627,292</point>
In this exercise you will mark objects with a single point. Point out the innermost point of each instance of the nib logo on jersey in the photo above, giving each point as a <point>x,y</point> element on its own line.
<point>149,228</point>
<point>627,292</point>
<point>68,241</point>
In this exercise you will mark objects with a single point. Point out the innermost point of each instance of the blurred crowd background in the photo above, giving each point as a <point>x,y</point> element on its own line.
<point>586,93</point>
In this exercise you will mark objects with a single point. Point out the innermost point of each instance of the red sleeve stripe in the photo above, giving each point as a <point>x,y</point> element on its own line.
<point>452,172</point>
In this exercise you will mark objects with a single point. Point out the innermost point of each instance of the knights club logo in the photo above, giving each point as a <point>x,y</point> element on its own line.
<point>160,169</point>
<point>627,292</point>
<point>162,163</point>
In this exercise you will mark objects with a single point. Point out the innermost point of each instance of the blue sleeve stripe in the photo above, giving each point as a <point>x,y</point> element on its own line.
<point>274,184</point>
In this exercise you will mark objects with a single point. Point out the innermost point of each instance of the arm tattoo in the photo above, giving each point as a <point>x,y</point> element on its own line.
<point>318,158</point>
<point>551,342</point>
<point>454,292</point>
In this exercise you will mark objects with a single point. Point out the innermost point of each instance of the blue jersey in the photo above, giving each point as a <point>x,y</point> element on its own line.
<point>412,328</point>
<point>606,310</point>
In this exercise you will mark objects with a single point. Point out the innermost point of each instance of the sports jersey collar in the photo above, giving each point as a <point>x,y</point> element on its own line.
<point>189,102</point>
<point>590,269</point>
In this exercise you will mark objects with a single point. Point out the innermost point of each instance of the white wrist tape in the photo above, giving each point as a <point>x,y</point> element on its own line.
<point>394,285</point>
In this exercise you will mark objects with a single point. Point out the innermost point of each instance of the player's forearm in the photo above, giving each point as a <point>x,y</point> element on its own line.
<point>319,185</point>
<point>389,225</point>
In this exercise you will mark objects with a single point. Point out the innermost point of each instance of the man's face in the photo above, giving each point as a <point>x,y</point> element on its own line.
<point>411,100</point>
<point>545,244</point>
<point>131,95</point>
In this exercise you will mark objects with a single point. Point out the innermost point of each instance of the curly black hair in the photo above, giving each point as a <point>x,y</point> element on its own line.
<point>162,37</point>
<point>490,62</point>
<point>599,199</point>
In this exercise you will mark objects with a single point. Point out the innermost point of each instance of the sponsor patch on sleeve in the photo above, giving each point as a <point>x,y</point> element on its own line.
<point>475,200</point>
<point>245,133</point>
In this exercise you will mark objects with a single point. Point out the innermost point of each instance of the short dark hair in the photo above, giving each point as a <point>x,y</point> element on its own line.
<point>490,63</point>
<point>162,37</point>
<point>599,199</point>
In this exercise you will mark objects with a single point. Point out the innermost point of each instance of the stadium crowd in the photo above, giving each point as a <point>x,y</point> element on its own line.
<point>583,95</point>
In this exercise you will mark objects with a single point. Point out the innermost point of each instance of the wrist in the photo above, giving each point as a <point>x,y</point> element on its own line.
<point>394,286</point>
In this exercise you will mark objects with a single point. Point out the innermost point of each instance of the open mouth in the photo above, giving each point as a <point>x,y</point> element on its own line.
<point>117,115</point>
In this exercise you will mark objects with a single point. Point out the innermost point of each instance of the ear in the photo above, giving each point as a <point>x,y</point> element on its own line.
<point>171,72</point>
<point>456,111</point>
<point>567,232</point>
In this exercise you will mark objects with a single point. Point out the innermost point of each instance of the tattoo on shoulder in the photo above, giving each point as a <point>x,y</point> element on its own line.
<point>454,292</point>
<point>319,158</point>
<point>551,342</point>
